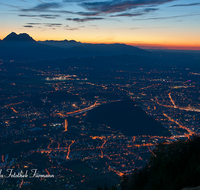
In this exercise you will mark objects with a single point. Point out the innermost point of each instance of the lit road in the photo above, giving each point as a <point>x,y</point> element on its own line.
<point>67,157</point>
<point>76,112</point>
<point>181,126</point>
<point>13,104</point>
<point>182,108</point>
<point>175,106</point>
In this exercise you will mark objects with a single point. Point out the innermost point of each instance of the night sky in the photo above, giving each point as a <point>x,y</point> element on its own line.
<point>156,23</point>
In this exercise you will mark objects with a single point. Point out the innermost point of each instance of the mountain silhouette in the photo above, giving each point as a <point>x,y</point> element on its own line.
<point>24,47</point>
<point>23,37</point>
<point>61,44</point>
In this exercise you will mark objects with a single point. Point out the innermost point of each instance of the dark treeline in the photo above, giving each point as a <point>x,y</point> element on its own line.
<point>171,167</point>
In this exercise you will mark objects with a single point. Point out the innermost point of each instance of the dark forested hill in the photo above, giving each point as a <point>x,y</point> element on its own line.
<point>127,117</point>
<point>173,166</point>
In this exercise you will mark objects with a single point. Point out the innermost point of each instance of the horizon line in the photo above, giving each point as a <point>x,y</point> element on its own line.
<point>142,45</point>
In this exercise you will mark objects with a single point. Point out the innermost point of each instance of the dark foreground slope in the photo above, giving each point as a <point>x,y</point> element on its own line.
<point>127,117</point>
<point>172,167</point>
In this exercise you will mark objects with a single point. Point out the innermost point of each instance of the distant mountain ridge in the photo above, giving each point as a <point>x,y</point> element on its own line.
<point>62,44</point>
<point>59,41</point>
<point>24,47</point>
<point>86,49</point>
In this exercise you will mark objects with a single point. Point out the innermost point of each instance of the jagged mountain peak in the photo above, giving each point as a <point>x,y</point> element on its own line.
<point>18,37</point>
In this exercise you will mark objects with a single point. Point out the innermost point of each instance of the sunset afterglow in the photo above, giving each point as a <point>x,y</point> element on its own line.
<point>165,24</point>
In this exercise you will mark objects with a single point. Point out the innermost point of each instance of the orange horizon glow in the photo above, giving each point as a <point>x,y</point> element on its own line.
<point>172,46</point>
<point>169,47</point>
<point>143,45</point>
<point>151,45</point>
<point>157,46</point>
<point>154,46</point>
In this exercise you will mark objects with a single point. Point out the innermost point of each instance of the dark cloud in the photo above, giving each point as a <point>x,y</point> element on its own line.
<point>28,26</point>
<point>33,23</point>
<point>96,8</point>
<point>139,13</point>
<point>47,16</point>
<point>170,17</point>
<point>47,7</point>
<point>114,6</point>
<point>28,15</point>
<point>150,9</point>
<point>72,29</point>
<point>128,14</point>
<point>53,8</point>
<point>52,24</point>
<point>84,19</point>
<point>43,7</point>
<point>185,5</point>
<point>88,13</point>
